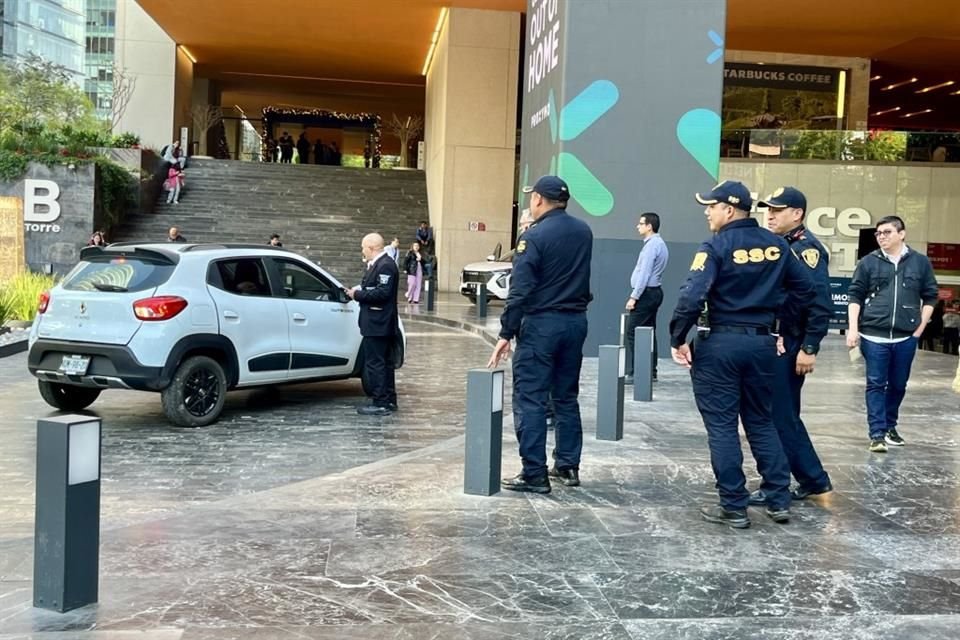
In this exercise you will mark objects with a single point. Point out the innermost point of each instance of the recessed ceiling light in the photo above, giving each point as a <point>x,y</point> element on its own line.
<point>898,84</point>
<point>936,86</point>
<point>433,41</point>
<point>916,113</point>
<point>188,54</point>
<point>880,113</point>
<point>876,77</point>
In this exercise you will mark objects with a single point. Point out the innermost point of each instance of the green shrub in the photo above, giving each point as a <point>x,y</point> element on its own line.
<point>19,296</point>
<point>13,164</point>
<point>4,311</point>
<point>125,141</point>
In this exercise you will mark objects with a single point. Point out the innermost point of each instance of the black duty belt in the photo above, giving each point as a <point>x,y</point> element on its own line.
<point>746,331</point>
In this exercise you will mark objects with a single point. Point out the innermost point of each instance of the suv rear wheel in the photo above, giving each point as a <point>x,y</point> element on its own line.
<point>196,394</point>
<point>67,397</point>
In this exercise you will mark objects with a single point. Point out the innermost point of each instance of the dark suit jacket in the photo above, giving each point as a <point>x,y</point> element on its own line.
<point>378,298</point>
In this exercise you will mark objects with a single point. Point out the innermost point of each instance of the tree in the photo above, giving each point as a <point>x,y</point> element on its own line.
<point>39,96</point>
<point>405,130</point>
<point>123,87</point>
<point>204,117</point>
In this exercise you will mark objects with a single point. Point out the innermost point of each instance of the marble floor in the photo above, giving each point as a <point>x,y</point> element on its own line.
<point>295,518</point>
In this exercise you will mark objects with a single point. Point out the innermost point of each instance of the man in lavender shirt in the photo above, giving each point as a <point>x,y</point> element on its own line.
<point>646,296</point>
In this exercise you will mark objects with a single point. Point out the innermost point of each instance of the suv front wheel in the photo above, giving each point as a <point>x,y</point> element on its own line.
<point>196,394</point>
<point>67,397</point>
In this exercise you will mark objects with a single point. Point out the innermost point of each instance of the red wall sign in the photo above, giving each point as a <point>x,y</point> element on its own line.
<point>945,257</point>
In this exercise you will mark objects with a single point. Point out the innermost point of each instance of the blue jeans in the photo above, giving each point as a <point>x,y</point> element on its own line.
<point>547,363</point>
<point>888,369</point>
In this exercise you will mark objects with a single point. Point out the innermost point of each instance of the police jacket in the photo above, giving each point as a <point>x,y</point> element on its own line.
<point>551,270</point>
<point>813,256</point>
<point>891,296</point>
<point>378,298</point>
<point>743,274</point>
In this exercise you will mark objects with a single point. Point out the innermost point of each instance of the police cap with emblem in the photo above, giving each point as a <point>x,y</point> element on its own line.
<point>729,192</point>
<point>785,197</point>
<point>551,188</point>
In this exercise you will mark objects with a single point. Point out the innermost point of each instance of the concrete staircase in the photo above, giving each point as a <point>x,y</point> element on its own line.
<point>319,211</point>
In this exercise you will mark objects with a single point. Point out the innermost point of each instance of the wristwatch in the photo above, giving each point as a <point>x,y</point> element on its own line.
<point>809,349</point>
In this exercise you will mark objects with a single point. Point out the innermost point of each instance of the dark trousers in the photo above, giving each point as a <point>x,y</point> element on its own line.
<point>644,314</point>
<point>378,370</point>
<point>734,376</point>
<point>547,361</point>
<point>951,340</point>
<point>286,156</point>
<point>888,369</point>
<point>804,462</point>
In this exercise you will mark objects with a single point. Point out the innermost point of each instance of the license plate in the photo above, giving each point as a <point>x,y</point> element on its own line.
<point>75,365</point>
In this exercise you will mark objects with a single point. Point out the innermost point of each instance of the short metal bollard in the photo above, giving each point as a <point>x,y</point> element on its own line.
<point>610,392</point>
<point>66,556</point>
<point>481,300</point>
<point>643,364</point>
<point>430,284</point>
<point>481,475</point>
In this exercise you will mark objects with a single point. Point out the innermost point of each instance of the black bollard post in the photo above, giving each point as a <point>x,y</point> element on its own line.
<point>481,469</point>
<point>610,392</point>
<point>643,364</point>
<point>430,284</point>
<point>481,300</point>
<point>66,556</point>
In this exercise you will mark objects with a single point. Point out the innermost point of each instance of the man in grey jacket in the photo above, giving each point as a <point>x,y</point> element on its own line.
<point>891,301</point>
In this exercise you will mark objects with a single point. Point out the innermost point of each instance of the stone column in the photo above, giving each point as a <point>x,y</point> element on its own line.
<point>471,124</point>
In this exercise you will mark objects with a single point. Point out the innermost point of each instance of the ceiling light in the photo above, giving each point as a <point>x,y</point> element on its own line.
<point>916,113</point>
<point>885,111</point>
<point>955,93</point>
<point>936,86</point>
<point>876,77</point>
<point>433,41</point>
<point>898,84</point>
<point>188,54</point>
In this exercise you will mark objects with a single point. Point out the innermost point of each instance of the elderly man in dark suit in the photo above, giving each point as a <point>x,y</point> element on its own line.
<point>379,325</point>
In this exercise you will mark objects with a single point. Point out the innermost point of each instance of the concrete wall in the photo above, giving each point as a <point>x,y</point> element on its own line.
<point>858,80</point>
<point>842,198</point>
<point>54,245</point>
<point>471,108</point>
<point>147,53</point>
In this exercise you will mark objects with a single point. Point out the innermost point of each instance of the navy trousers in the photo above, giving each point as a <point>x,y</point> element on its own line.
<point>733,378</point>
<point>547,362</point>
<point>804,462</point>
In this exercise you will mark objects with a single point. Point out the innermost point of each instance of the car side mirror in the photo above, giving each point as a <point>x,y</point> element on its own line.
<point>491,258</point>
<point>342,296</point>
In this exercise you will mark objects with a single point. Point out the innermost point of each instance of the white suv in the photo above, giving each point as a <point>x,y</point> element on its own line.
<point>192,321</point>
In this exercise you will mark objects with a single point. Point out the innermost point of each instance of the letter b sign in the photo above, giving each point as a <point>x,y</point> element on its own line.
<point>43,193</point>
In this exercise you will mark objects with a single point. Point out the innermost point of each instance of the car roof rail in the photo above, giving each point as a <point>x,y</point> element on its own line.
<point>231,245</point>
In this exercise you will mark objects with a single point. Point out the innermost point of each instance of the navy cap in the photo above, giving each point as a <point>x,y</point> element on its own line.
<point>728,192</point>
<point>785,197</point>
<point>551,188</point>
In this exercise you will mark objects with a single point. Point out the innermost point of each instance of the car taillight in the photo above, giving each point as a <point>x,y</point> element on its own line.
<point>159,307</point>
<point>43,302</point>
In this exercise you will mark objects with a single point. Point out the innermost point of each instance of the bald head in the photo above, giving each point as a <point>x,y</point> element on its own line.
<point>371,245</point>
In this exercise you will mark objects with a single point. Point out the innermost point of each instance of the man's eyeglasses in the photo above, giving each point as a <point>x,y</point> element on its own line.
<point>884,233</point>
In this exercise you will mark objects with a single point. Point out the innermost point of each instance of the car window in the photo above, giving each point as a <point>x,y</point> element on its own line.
<point>117,274</point>
<point>301,284</point>
<point>242,276</point>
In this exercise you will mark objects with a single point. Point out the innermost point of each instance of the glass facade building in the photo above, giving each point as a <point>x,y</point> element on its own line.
<point>52,29</point>
<point>100,39</point>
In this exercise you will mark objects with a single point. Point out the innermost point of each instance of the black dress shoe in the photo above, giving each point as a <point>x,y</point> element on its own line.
<point>719,515</point>
<point>373,410</point>
<point>393,406</point>
<point>801,494</point>
<point>758,498</point>
<point>780,516</point>
<point>628,380</point>
<point>530,485</point>
<point>568,477</point>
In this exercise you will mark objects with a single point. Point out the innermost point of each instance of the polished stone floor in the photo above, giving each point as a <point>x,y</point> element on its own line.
<point>295,518</point>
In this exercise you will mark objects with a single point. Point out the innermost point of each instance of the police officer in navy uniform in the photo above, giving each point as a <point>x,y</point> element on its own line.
<point>786,208</point>
<point>546,313</point>
<point>742,275</point>
<point>379,324</point>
